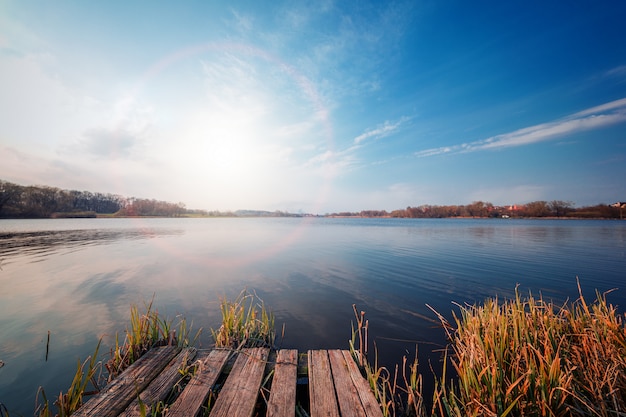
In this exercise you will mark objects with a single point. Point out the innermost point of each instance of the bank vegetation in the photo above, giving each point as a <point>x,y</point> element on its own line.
<point>516,357</point>
<point>481,209</point>
<point>18,201</point>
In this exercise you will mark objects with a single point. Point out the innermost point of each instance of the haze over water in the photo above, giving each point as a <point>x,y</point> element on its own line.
<point>77,278</point>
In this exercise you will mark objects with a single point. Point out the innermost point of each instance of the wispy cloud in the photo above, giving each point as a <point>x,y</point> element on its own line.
<point>334,162</point>
<point>619,72</point>
<point>593,118</point>
<point>380,131</point>
<point>242,22</point>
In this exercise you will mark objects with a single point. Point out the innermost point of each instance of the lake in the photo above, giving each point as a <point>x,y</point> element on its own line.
<point>77,279</point>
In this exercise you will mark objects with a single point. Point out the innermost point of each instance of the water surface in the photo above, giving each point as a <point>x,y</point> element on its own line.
<point>78,277</point>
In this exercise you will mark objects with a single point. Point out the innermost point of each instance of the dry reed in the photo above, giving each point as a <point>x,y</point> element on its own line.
<point>146,330</point>
<point>69,402</point>
<point>246,322</point>
<point>527,356</point>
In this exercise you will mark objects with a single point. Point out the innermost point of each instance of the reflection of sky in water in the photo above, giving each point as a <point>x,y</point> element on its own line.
<point>308,271</point>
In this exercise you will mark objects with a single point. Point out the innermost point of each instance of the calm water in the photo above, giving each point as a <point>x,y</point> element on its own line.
<point>78,277</point>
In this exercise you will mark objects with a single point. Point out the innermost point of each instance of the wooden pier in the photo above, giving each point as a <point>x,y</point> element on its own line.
<point>249,382</point>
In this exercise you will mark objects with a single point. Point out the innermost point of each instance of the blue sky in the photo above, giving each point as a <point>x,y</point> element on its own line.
<point>316,107</point>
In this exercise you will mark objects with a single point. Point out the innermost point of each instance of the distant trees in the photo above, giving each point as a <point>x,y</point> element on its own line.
<point>536,209</point>
<point>554,208</point>
<point>145,207</point>
<point>17,201</point>
<point>600,211</point>
<point>481,209</point>
<point>561,208</point>
<point>98,202</point>
<point>8,194</point>
<point>475,209</point>
<point>374,213</point>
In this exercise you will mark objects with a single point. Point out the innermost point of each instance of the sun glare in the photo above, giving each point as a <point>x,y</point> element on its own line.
<point>224,149</point>
<point>243,126</point>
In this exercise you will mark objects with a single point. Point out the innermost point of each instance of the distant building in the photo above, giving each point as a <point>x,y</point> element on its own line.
<point>620,205</point>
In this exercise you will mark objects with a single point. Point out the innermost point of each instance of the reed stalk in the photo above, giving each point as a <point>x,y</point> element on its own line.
<point>383,383</point>
<point>147,330</point>
<point>246,322</point>
<point>69,402</point>
<point>528,356</point>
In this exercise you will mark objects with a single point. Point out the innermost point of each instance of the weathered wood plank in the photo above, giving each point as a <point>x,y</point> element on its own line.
<point>237,369</point>
<point>370,405</point>
<point>117,395</point>
<point>322,399</point>
<point>282,401</point>
<point>241,389</point>
<point>197,391</point>
<point>347,397</point>
<point>161,386</point>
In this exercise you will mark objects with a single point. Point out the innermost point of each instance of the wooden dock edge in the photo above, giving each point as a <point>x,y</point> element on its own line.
<point>253,381</point>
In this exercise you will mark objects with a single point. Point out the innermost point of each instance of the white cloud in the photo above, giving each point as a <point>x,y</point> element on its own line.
<point>613,105</point>
<point>243,23</point>
<point>618,72</point>
<point>331,163</point>
<point>593,118</point>
<point>380,131</point>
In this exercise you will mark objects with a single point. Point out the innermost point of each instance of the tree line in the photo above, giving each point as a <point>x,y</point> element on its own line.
<point>18,201</point>
<point>481,209</point>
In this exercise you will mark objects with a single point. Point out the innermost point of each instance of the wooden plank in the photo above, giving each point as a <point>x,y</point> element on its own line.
<point>197,391</point>
<point>370,404</point>
<point>223,395</point>
<point>347,396</point>
<point>161,386</point>
<point>282,401</point>
<point>241,389</point>
<point>117,395</point>
<point>322,399</point>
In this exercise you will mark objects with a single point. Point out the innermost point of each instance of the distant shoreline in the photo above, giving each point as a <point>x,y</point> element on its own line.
<point>111,216</point>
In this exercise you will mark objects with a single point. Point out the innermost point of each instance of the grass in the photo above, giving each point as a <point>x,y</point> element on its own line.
<point>520,357</point>
<point>69,402</point>
<point>146,330</point>
<point>528,356</point>
<point>246,322</point>
<point>381,381</point>
<point>517,357</point>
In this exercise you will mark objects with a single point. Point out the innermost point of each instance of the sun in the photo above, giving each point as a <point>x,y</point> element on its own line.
<point>227,150</point>
<point>231,158</point>
<point>237,126</point>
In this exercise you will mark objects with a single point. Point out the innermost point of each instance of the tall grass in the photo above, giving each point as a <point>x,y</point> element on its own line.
<point>67,403</point>
<point>246,322</point>
<point>147,330</point>
<point>517,357</point>
<point>383,383</point>
<point>528,356</point>
<point>520,357</point>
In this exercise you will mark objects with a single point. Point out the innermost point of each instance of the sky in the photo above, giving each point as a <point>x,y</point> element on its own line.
<point>316,107</point>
